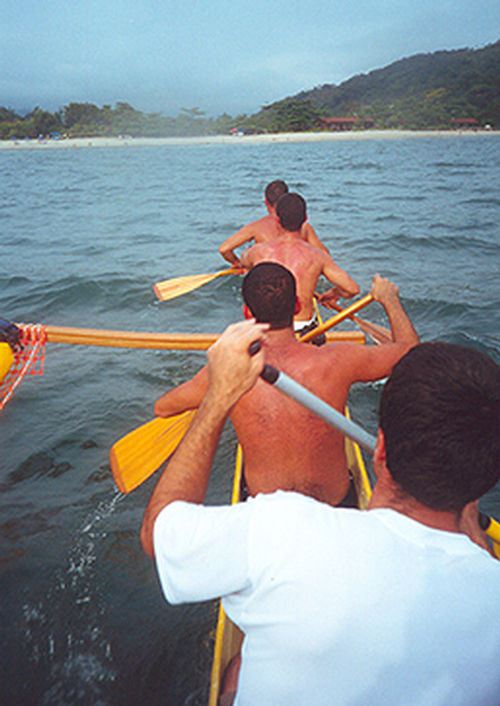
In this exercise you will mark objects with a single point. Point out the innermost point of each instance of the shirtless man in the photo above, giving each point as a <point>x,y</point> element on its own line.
<point>284,446</point>
<point>305,262</point>
<point>266,228</point>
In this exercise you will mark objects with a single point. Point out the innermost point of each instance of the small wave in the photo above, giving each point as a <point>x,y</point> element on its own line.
<point>482,202</point>
<point>454,165</point>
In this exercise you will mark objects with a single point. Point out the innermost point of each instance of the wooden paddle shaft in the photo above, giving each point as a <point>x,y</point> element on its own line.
<point>158,341</point>
<point>344,314</point>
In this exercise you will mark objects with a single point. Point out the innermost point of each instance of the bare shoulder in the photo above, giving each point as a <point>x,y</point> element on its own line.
<point>263,229</point>
<point>307,231</point>
<point>344,356</point>
<point>253,254</point>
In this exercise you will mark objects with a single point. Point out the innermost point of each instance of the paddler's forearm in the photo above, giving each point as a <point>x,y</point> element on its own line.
<point>387,293</point>
<point>402,328</point>
<point>187,474</point>
<point>230,244</point>
<point>187,395</point>
<point>344,283</point>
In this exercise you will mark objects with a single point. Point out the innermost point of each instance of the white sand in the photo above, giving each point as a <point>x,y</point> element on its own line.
<point>79,142</point>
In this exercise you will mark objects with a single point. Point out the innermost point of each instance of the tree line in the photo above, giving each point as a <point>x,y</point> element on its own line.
<point>426,91</point>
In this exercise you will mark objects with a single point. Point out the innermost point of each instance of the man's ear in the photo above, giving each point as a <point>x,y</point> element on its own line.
<point>379,455</point>
<point>247,313</point>
<point>298,306</point>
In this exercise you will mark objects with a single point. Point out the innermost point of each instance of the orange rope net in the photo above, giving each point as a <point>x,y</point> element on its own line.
<point>29,358</point>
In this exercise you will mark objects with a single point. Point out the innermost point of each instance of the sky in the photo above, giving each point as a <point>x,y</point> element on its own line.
<point>216,55</point>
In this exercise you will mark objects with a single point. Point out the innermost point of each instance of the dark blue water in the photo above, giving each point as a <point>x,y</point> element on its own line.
<point>85,233</point>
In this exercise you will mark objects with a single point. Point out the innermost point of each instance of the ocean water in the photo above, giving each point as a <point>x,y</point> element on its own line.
<point>84,235</point>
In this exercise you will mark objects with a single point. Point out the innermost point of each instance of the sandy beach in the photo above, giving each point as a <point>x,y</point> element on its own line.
<point>82,142</point>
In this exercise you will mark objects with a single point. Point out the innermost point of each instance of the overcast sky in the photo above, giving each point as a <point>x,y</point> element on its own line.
<point>218,55</point>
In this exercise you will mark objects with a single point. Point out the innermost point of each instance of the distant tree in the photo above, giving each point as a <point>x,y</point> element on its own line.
<point>83,113</point>
<point>38,122</point>
<point>8,115</point>
<point>291,116</point>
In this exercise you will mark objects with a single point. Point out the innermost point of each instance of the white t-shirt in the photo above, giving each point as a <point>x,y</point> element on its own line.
<point>340,606</point>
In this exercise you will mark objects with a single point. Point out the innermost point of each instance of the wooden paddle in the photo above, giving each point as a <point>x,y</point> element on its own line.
<point>171,288</point>
<point>344,314</point>
<point>140,453</point>
<point>375,331</point>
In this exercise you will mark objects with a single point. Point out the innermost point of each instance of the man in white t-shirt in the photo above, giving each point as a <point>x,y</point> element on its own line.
<point>391,606</point>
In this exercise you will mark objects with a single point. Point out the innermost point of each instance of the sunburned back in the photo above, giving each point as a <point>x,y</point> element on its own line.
<point>302,259</point>
<point>286,447</point>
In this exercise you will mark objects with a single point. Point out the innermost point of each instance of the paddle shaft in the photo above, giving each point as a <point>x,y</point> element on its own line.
<point>344,314</point>
<point>384,332</point>
<point>317,406</point>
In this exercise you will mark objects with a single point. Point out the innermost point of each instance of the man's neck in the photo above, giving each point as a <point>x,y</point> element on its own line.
<point>289,234</point>
<point>386,494</point>
<point>281,336</point>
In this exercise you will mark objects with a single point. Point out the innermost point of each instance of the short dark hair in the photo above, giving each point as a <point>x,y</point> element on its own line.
<point>269,291</point>
<point>440,415</point>
<point>291,211</point>
<point>274,191</point>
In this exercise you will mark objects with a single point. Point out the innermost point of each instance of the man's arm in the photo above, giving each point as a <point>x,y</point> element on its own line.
<point>375,362</point>
<point>188,395</point>
<point>248,256</point>
<point>244,235</point>
<point>345,286</point>
<point>311,237</point>
<point>231,371</point>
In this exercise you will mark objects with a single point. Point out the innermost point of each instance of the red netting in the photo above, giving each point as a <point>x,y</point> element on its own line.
<point>28,360</point>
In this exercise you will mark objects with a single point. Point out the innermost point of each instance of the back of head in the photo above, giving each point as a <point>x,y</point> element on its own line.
<point>291,211</point>
<point>269,291</point>
<point>274,191</point>
<point>440,415</point>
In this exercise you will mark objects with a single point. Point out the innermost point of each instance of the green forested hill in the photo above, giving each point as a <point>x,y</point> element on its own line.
<point>425,91</point>
<point>422,91</point>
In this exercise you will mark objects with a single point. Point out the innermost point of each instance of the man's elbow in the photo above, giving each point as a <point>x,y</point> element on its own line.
<point>159,409</point>
<point>351,290</point>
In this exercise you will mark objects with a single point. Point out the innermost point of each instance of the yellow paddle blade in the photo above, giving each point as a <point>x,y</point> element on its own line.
<point>171,288</point>
<point>140,453</point>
